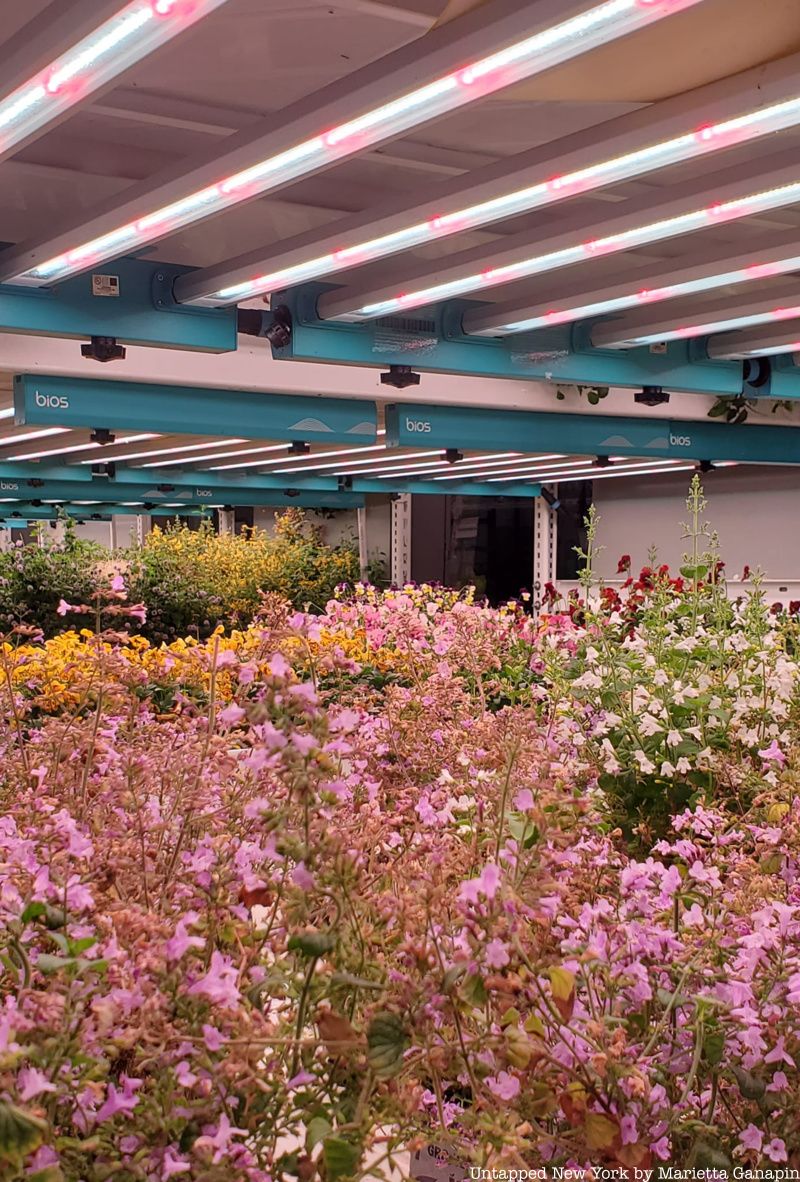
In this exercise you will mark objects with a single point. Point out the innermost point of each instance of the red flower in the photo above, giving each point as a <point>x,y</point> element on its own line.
<point>624,564</point>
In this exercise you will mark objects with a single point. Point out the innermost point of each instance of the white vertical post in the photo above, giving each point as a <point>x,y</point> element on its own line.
<point>5,539</point>
<point>401,539</point>
<point>545,533</point>
<point>227,521</point>
<point>363,553</point>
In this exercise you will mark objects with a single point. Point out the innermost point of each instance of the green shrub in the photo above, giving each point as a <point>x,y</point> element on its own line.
<point>193,580</point>
<point>35,577</point>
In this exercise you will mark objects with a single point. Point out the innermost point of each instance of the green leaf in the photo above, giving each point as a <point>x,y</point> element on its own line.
<point>706,1155</point>
<point>311,943</point>
<point>474,990</point>
<point>751,1087</point>
<point>46,963</point>
<point>20,1132</point>
<point>317,1129</point>
<point>32,911</point>
<point>386,1042</point>
<point>714,1047</point>
<point>341,1158</point>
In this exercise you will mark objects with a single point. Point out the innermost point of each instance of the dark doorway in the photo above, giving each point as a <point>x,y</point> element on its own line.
<point>489,544</point>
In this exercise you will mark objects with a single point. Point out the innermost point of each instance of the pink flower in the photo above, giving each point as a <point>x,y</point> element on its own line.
<point>219,983</point>
<point>124,1101</point>
<point>220,1139</point>
<point>485,884</point>
<point>32,1082</point>
<point>496,954</point>
<point>231,714</point>
<point>302,877</point>
<point>661,1149</point>
<point>137,611</point>
<point>751,1138</point>
<point>776,1150</point>
<point>213,1038</point>
<point>773,754</point>
<point>629,1134</point>
<point>505,1086</point>
<point>524,800</point>
<point>64,607</point>
<point>171,1164</point>
<point>118,585</point>
<point>278,665</point>
<point>179,944</point>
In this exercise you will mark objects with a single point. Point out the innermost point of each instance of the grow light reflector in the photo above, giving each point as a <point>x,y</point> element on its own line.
<point>598,25</point>
<point>94,60</point>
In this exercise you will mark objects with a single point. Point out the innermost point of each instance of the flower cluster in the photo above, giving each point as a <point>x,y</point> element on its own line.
<point>360,885</point>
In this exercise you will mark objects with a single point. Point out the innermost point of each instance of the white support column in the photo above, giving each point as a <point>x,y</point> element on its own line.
<point>545,534</point>
<point>401,539</point>
<point>363,553</point>
<point>227,521</point>
<point>5,539</point>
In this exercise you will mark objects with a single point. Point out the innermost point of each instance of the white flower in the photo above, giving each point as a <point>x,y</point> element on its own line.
<point>649,725</point>
<point>674,738</point>
<point>645,765</point>
<point>683,765</point>
<point>667,769</point>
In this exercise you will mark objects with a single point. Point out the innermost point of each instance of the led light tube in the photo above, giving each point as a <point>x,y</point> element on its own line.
<point>760,343</point>
<point>632,299</point>
<point>309,458</point>
<point>93,61</point>
<point>63,451</point>
<point>531,55</point>
<point>686,223</point>
<point>652,471</point>
<point>7,413</point>
<point>405,464</point>
<point>705,328</point>
<point>220,455</point>
<point>164,451</point>
<point>357,463</point>
<point>694,142</point>
<point>8,440</point>
<point>581,471</point>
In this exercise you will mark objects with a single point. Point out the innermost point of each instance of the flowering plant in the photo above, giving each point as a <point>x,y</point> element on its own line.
<point>306,921</point>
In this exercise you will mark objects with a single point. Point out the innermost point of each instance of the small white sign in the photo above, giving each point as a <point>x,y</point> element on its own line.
<point>430,1165</point>
<point>105,285</point>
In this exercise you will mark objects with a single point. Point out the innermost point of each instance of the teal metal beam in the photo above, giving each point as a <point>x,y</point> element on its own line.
<point>434,342</point>
<point>412,425</point>
<point>195,410</point>
<point>129,299</point>
<point>200,488</point>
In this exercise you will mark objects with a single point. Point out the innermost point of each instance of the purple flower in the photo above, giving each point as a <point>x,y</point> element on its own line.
<point>751,1138</point>
<point>32,1082</point>
<point>219,983</point>
<point>231,714</point>
<point>171,1164</point>
<point>629,1134</point>
<point>303,877</point>
<point>219,1139</point>
<point>524,800</point>
<point>773,754</point>
<point>505,1086</point>
<point>776,1150</point>
<point>213,1038</point>
<point>124,1101</point>
<point>496,954</point>
<point>181,942</point>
